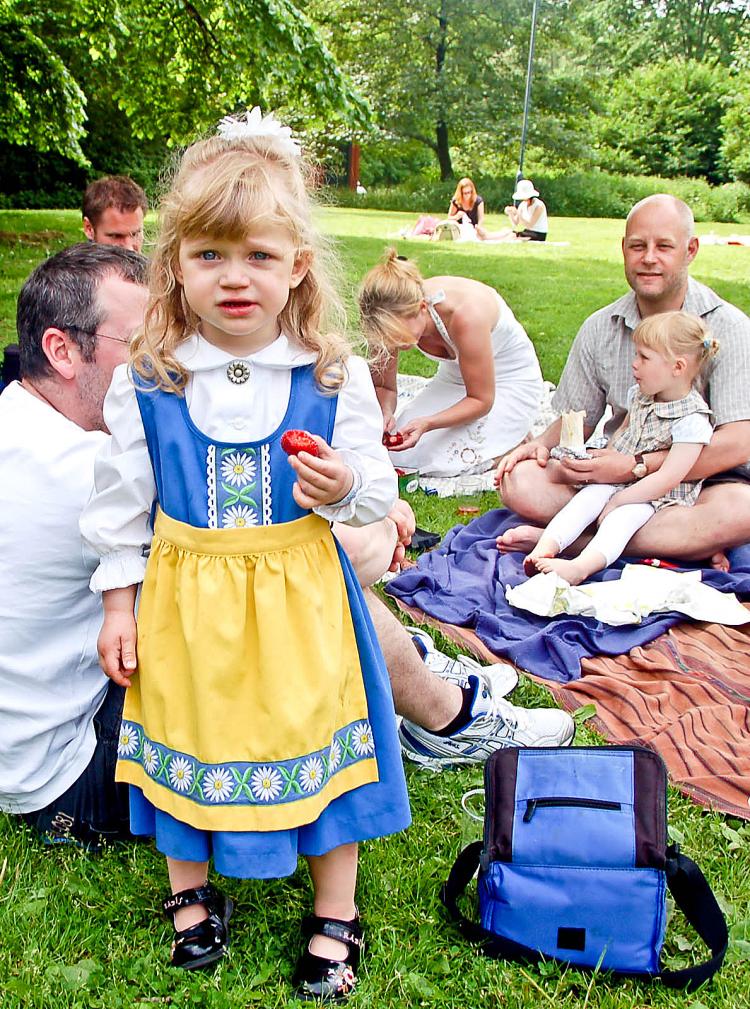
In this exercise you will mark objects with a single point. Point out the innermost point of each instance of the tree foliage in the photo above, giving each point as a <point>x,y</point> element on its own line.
<point>41,103</point>
<point>173,66</point>
<point>629,85</point>
<point>735,143</point>
<point>451,73</point>
<point>630,33</point>
<point>665,119</point>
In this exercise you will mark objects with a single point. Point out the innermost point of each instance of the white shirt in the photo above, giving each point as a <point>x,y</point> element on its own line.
<point>51,685</point>
<point>116,523</point>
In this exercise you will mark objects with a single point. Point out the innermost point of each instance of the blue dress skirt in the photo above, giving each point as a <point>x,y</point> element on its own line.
<point>260,725</point>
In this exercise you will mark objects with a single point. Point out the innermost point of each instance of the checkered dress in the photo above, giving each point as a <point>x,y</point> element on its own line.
<point>650,430</point>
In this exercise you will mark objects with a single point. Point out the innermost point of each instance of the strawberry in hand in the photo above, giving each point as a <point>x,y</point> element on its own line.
<point>322,475</point>
<point>293,442</point>
<point>393,438</point>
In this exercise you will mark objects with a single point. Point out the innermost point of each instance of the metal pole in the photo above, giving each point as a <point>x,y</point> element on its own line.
<point>527,96</point>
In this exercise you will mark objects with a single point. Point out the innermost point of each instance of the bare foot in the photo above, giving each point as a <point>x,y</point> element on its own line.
<point>720,562</point>
<point>545,548</point>
<point>522,538</point>
<point>572,571</point>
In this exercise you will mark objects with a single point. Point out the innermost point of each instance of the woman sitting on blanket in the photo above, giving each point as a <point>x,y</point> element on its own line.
<point>467,207</point>
<point>529,218</point>
<point>665,412</point>
<point>486,392</point>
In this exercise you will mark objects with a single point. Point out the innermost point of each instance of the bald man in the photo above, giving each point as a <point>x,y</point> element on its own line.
<point>658,247</point>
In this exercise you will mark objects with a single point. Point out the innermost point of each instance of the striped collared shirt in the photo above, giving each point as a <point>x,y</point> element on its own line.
<point>598,371</point>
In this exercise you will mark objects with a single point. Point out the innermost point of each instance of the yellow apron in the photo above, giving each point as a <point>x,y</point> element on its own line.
<point>248,710</point>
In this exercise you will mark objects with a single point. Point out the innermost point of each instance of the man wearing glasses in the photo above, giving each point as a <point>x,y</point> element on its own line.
<point>59,717</point>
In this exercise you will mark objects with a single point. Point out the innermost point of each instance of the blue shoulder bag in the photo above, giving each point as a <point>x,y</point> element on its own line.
<point>575,865</point>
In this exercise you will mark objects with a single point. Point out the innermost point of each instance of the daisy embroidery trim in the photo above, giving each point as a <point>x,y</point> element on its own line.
<point>334,755</point>
<point>150,758</point>
<point>311,775</point>
<point>128,741</point>
<point>180,774</point>
<point>238,517</point>
<point>265,783</point>
<point>217,785</point>
<point>237,469</point>
<point>362,739</point>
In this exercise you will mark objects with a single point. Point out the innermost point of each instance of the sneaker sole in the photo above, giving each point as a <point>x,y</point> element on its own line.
<point>439,762</point>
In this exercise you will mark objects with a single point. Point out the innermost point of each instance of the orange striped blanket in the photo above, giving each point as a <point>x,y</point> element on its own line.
<point>685,695</point>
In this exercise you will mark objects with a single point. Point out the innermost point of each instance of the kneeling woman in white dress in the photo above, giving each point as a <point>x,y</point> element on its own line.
<point>486,392</point>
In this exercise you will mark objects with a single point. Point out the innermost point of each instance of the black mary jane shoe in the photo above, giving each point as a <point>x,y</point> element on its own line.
<point>316,977</point>
<point>204,944</point>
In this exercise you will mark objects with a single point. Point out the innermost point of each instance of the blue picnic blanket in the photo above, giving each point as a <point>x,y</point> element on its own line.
<point>463,582</point>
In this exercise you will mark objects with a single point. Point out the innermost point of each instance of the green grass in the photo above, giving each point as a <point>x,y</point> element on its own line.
<point>82,931</point>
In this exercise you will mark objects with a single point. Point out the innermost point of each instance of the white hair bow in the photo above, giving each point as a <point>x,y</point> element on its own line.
<point>254,124</point>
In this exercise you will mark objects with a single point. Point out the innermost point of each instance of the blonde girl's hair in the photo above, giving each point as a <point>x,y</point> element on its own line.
<point>458,195</point>
<point>677,334</point>
<point>226,188</point>
<point>391,292</point>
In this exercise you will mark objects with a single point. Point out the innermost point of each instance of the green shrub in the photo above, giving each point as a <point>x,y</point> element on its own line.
<point>664,119</point>
<point>578,194</point>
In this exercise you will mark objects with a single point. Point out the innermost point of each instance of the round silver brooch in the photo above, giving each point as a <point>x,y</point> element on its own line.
<point>238,372</point>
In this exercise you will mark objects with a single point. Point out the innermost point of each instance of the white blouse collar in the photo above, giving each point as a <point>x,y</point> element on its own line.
<point>197,354</point>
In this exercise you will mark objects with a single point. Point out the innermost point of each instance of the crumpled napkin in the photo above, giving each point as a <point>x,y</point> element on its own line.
<point>640,590</point>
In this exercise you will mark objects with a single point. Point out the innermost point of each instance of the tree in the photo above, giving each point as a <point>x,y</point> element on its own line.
<point>41,104</point>
<point>432,72</point>
<point>173,66</point>
<point>451,73</point>
<point>665,119</point>
<point>735,125</point>
<point>630,33</point>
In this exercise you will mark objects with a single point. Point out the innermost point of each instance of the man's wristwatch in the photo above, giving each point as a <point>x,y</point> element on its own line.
<point>640,469</point>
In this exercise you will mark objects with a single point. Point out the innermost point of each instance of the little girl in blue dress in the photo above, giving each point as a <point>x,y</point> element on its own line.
<point>258,723</point>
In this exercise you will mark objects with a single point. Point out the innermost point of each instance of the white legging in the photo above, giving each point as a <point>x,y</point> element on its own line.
<point>613,534</point>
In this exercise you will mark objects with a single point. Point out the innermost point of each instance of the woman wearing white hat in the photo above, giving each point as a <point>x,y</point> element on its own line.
<point>529,218</point>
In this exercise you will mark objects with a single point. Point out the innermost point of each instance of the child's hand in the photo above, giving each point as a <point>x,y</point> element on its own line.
<point>116,646</point>
<point>403,518</point>
<point>614,502</point>
<point>321,480</point>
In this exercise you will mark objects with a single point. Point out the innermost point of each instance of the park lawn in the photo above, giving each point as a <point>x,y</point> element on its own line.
<point>82,931</point>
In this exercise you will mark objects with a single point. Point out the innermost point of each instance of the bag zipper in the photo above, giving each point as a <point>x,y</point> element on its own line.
<point>563,800</point>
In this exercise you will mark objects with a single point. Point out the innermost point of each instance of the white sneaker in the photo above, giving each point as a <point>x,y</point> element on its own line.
<point>503,676</point>
<point>495,723</point>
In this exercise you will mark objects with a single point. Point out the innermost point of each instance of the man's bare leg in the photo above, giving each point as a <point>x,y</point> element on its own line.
<point>370,548</point>
<point>430,704</point>
<point>529,491</point>
<point>523,538</point>
<point>718,521</point>
<point>418,694</point>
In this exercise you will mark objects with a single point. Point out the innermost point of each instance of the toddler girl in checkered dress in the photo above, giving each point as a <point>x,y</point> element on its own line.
<point>665,412</point>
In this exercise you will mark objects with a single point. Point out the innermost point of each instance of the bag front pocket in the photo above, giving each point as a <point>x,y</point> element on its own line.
<point>614,918</point>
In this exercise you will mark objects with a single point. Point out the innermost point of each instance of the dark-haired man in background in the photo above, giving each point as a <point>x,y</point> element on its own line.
<point>113,211</point>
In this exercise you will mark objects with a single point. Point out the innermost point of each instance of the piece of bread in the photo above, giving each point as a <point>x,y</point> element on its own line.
<point>571,431</point>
